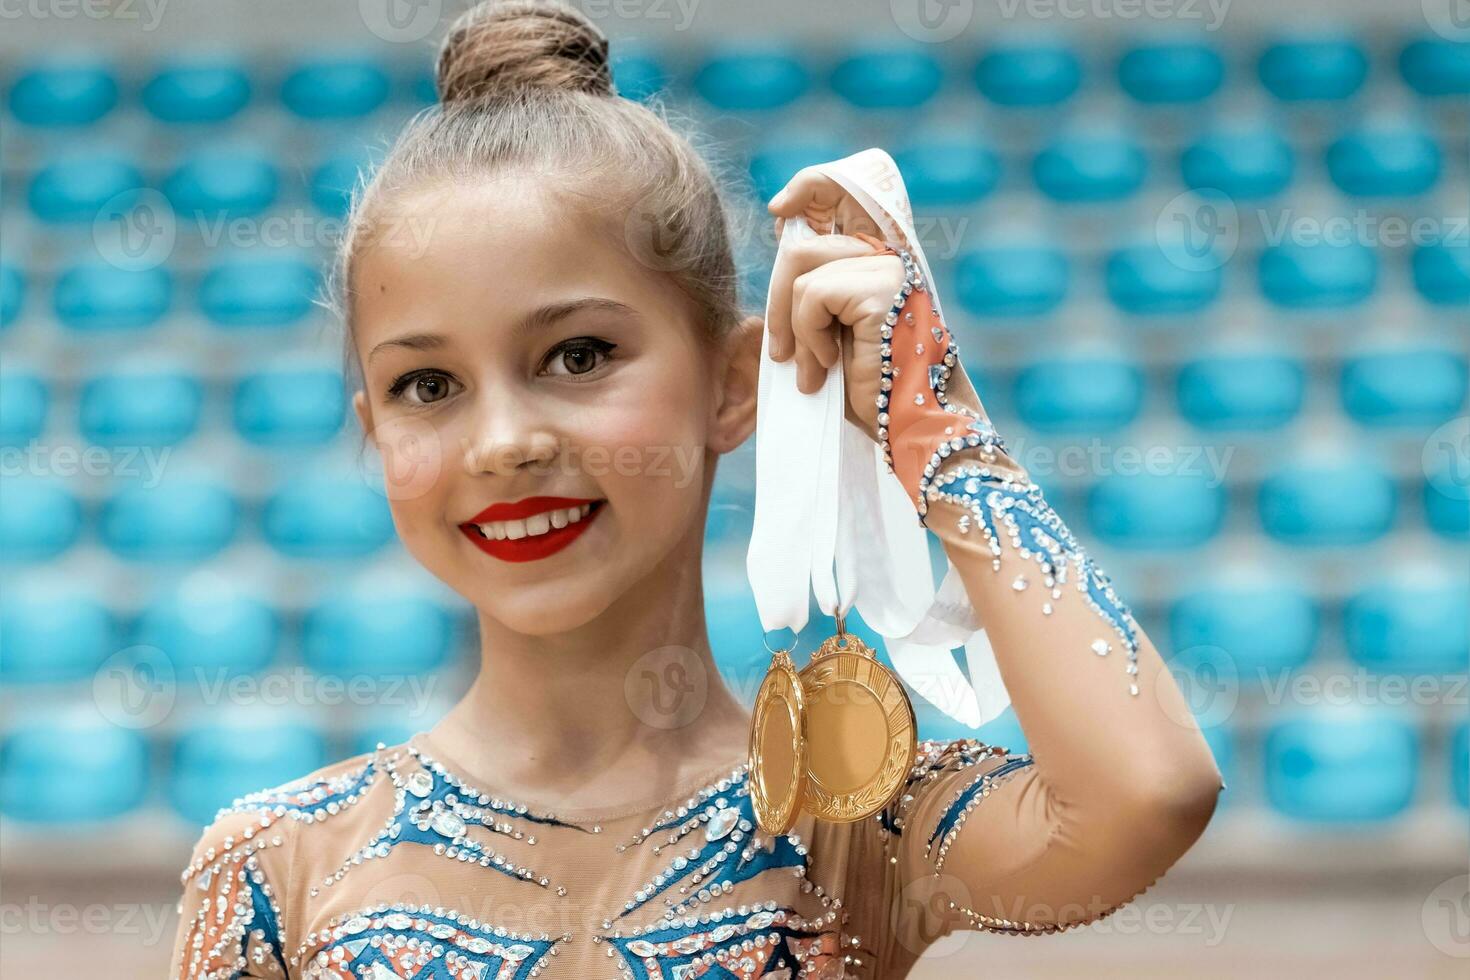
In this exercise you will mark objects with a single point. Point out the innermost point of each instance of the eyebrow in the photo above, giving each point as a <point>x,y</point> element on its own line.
<point>537,319</point>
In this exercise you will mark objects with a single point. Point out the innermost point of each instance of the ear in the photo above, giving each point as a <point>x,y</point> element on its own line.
<point>734,419</point>
<point>363,410</point>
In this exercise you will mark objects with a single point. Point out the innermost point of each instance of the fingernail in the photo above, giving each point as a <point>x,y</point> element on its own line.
<point>776,201</point>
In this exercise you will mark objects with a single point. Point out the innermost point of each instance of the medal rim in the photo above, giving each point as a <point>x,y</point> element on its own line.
<point>778,816</point>
<point>821,658</point>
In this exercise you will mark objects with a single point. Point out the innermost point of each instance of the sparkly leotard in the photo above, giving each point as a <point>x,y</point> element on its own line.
<point>404,864</point>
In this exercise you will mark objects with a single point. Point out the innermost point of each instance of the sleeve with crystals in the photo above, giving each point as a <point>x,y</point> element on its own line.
<point>230,922</point>
<point>1119,781</point>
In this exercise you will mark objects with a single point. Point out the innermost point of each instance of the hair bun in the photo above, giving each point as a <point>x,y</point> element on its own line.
<point>500,45</point>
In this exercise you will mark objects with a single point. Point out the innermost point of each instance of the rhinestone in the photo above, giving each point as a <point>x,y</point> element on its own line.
<point>721,823</point>
<point>447,823</point>
<point>420,784</point>
<point>1101,647</point>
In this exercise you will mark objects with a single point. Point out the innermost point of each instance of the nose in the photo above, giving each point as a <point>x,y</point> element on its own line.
<point>507,436</point>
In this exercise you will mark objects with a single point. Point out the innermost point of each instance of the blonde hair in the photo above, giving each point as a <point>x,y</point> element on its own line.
<point>525,88</point>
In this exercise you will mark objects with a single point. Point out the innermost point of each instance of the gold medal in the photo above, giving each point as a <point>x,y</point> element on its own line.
<point>778,747</point>
<point>861,730</point>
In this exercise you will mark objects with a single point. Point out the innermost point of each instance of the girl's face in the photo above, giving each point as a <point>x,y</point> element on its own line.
<point>509,354</point>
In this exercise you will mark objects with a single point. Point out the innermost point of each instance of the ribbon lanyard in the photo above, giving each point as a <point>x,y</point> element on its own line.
<point>825,498</point>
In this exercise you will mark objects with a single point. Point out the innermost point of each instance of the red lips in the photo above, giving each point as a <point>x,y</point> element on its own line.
<point>532,547</point>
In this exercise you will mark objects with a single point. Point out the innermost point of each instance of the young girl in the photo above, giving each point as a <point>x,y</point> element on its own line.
<point>551,399</point>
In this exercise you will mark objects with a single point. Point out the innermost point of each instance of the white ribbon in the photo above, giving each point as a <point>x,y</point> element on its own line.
<point>823,493</point>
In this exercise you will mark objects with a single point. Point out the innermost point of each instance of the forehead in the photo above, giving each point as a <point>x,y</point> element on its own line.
<point>459,254</point>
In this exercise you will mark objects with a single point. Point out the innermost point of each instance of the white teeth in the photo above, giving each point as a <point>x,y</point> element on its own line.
<point>532,526</point>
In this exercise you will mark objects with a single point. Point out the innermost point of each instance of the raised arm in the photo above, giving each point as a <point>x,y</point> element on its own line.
<point>1119,781</point>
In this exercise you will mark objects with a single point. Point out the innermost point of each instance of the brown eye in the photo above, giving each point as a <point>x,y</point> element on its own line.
<point>421,387</point>
<point>430,389</point>
<point>580,356</point>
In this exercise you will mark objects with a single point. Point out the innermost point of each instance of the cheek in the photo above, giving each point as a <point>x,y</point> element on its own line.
<point>413,458</point>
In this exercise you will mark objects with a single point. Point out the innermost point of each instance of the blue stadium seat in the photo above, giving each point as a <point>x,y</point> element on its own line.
<point>218,761</point>
<point>1460,764</point>
<point>210,630</point>
<point>1323,275</point>
<point>638,73</point>
<point>1442,273</point>
<point>251,291</point>
<point>362,632</point>
<point>1413,387</point>
<point>229,183</point>
<point>290,406</point>
<point>947,170</point>
<point>24,399</point>
<point>1384,161</point>
<point>73,188</point>
<point>138,408</point>
<point>1446,503</point>
<point>12,293</point>
<point>1079,394</point>
<point>1272,626</point>
<point>1019,280</point>
<point>180,519</point>
<point>197,90</point>
<point>64,92</point>
<point>752,77</point>
<point>39,519</point>
<point>342,87</point>
<point>1155,511</point>
<point>72,770</point>
<point>1241,391</point>
<point>1315,503</point>
<point>1171,73</point>
<point>323,516</point>
<point>1410,625</point>
<point>51,635</point>
<point>1316,68</point>
<point>773,164</point>
<point>1160,279</point>
<point>1028,74</point>
<point>97,296</point>
<point>1245,162</point>
<point>333,180</point>
<point>1345,766</point>
<point>887,78</point>
<point>1082,168</point>
<point>1436,67</point>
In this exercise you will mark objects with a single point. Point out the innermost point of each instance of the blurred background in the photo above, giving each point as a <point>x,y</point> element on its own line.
<point>1206,260</point>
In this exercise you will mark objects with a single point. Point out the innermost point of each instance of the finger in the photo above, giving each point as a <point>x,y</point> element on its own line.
<point>809,190</point>
<point>801,257</point>
<point>813,316</point>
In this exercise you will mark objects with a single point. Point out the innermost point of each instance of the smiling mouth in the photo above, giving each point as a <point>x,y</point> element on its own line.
<point>534,537</point>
